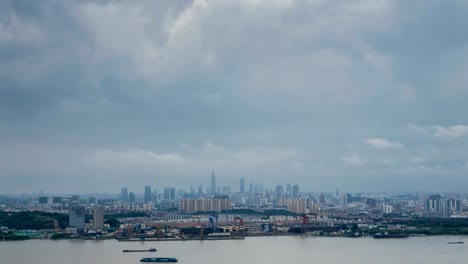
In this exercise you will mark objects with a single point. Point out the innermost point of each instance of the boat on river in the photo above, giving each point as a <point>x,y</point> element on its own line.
<point>140,250</point>
<point>387,235</point>
<point>158,260</point>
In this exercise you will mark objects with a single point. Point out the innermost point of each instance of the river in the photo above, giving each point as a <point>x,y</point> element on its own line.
<point>284,250</point>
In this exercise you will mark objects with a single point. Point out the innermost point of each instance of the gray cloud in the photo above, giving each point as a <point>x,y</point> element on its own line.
<point>382,143</point>
<point>354,160</point>
<point>269,90</point>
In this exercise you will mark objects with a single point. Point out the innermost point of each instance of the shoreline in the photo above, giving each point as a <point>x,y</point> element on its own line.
<point>227,238</point>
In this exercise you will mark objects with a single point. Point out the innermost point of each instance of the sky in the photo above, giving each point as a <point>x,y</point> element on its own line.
<point>359,95</point>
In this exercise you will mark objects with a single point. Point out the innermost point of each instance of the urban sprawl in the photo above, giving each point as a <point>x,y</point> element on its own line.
<point>220,213</point>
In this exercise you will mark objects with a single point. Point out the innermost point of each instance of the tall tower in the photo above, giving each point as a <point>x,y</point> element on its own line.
<point>98,218</point>
<point>213,183</point>
<point>147,194</point>
<point>279,191</point>
<point>295,191</point>
<point>242,185</point>
<point>76,217</point>
<point>124,195</point>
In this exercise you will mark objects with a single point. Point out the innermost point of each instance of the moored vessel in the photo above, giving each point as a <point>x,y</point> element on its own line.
<point>387,235</point>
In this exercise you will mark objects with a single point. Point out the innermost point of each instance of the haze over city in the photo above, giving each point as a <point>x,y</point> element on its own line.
<point>360,95</point>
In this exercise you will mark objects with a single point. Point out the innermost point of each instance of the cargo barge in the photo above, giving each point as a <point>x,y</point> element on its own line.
<point>158,260</point>
<point>140,250</point>
<point>386,235</point>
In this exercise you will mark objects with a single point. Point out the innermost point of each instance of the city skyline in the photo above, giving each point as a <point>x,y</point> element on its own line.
<point>363,95</point>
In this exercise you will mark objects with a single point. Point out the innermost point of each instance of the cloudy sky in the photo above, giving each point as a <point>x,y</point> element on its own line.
<point>361,95</point>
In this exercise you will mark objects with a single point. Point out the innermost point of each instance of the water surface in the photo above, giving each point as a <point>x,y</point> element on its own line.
<point>282,250</point>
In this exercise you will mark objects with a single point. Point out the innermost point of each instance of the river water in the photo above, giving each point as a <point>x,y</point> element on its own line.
<point>284,250</point>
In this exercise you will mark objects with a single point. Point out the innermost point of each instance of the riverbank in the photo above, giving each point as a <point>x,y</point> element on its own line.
<point>169,239</point>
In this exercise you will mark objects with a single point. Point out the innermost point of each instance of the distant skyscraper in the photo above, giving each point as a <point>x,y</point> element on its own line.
<point>131,197</point>
<point>213,183</point>
<point>43,200</point>
<point>344,200</point>
<point>242,185</point>
<point>321,199</point>
<point>371,203</point>
<point>124,195</point>
<point>77,217</point>
<point>200,190</point>
<point>57,200</point>
<point>169,198</point>
<point>458,206</point>
<point>295,191</point>
<point>169,194</point>
<point>279,191</point>
<point>98,218</point>
<point>289,189</point>
<point>147,194</point>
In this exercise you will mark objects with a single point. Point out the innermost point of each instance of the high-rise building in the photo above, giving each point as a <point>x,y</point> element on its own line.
<point>289,189</point>
<point>321,199</point>
<point>147,197</point>
<point>200,190</point>
<point>242,185</point>
<point>279,191</point>
<point>76,218</point>
<point>169,194</point>
<point>131,197</point>
<point>217,204</point>
<point>297,206</point>
<point>295,191</point>
<point>387,209</point>
<point>124,195</point>
<point>435,206</point>
<point>213,183</point>
<point>458,206</point>
<point>98,218</point>
<point>344,200</point>
<point>57,200</point>
<point>43,200</point>
<point>371,203</point>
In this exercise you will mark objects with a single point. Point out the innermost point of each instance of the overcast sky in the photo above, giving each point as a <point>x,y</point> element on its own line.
<point>360,95</point>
